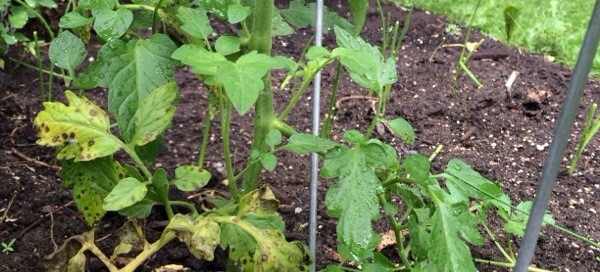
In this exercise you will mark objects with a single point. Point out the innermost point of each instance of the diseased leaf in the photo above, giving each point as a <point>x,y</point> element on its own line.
<point>200,234</point>
<point>58,261</point>
<point>82,127</point>
<point>243,79</point>
<point>112,24</point>
<point>302,143</point>
<point>154,113</point>
<point>131,72</point>
<point>190,178</point>
<point>448,251</point>
<point>195,22</point>
<point>91,182</point>
<point>74,19</point>
<point>140,209</point>
<point>353,197</point>
<point>67,51</point>
<point>402,129</point>
<point>77,263</point>
<point>126,193</point>
<point>237,13</point>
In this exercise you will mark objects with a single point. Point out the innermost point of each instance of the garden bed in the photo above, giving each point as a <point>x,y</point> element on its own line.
<point>505,136</point>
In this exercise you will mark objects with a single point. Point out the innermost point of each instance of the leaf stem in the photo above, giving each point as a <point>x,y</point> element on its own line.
<point>186,204</point>
<point>149,250</point>
<point>509,265</point>
<point>225,113</point>
<point>130,150</point>
<point>65,77</point>
<point>39,16</point>
<point>207,122</point>
<point>493,238</point>
<point>395,180</point>
<point>397,232</point>
<point>326,131</point>
<point>136,6</point>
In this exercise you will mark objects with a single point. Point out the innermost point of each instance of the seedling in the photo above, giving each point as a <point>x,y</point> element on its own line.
<point>591,127</point>
<point>7,248</point>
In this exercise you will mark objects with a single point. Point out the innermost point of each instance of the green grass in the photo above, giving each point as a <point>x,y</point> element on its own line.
<point>541,26</point>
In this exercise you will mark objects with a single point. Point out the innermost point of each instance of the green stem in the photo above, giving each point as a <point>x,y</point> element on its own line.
<point>186,204</point>
<point>586,135</point>
<point>395,180</point>
<point>205,135</point>
<point>493,238</point>
<point>261,40</point>
<point>462,52</point>
<point>326,131</point>
<point>436,152</point>
<point>39,16</point>
<point>509,265</point>
<point>375,120</point>
<point>43,70</point>
<point>130,150</point>
<point>149,250</point>
<point>136,6</point>
<point>39,67</point>
<point>225,112</point>
<point>398,233</point>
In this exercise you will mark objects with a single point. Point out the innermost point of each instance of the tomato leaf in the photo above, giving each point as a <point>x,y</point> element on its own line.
<point>154,113</point>
<point>464,182</point>
<point>227,45</point>
<point>131,72</point>
<point>202,61</point>
<point>126,193</point>
<point>200,234</point>
<point>417,167</point>
<point>112,24</point>
<point>402,129</point>
<point>359,10</point>
<point>195,22</point>
<point>302,15</point>
<point>74,19</point>
<point>237,13</point>
<point>82,126</point>
<point>302,143</point>
<point>67,51</point>
<point>190,177</point>
<point>353,197</point>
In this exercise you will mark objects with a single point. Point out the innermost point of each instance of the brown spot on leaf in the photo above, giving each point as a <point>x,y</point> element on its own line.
<point>64,136</point>
<point>91,142</point>
<point>71,135</point>
<point>55,139</point>
<point>46,129</point>
<point>93,112</point>
<point>265,257</point>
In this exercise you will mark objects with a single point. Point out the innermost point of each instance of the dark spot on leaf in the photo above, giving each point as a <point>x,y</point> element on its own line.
<point>265,257</point>
<point>71,135</point>
<point>121,175</point>
<point>91,142</point>
<point>86,208</point>
<point>93,112</point>
<point>46,129</point>
<point>64,136</point>
<point>55,139</point>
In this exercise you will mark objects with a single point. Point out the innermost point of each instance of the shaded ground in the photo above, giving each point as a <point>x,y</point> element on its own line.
<point>503,136</point>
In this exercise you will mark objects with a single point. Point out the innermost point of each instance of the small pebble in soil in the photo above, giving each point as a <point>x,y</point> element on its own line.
<point>298,210</point>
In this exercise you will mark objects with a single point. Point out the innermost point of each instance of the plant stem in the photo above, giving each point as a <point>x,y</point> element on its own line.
<point>130,150</point>
<point>39,16</point>
<point>493,238</point>
<point>186,204</point>
<point>39,67</point>
<point>43,70</point>
<point>436,152</point>
<point>225,113</point>
<point>326,131</point>
<point>395,180</point>
<point>462,53</point>
<point>397,232</point>
<point>149,250</point>
<point>205,136</point>
<point>509,265</point>
<point>261,40</point>
<point>89,244</point>
<point>590,128</point>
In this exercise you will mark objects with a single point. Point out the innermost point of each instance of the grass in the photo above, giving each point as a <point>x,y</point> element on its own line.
<point>552,27</point>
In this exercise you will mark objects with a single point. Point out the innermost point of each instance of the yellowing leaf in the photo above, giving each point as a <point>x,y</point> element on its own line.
<point>154,113</point>
<point>82,127</point>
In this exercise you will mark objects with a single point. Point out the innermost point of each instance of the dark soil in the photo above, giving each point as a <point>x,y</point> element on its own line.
<point>504,136</point>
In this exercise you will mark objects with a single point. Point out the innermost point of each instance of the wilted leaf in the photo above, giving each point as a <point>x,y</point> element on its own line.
<point>200,234</point>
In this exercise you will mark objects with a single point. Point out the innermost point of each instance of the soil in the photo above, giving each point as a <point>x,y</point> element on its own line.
<point>503,135</point>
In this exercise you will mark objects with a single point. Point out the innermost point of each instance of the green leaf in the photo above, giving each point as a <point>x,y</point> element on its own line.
<point>126,193</point>
<point>241,245</point>
<point>97,4</point>
<point>82,126</point>
<point>301,15</point>
<point>227,45</point>
<point>269,161</point>
<point>67,51</point>
<point>380,155</point>
<point>353,197</point>
<point>316,52</point>
<point>190,178</point>
<point>448,251</point>
<point>200,234</point>
<point>18,17</point>
<point>273,138</point>
<point>243,79</point>
<point>364,62</point>
<point>237,13</point>
<point>411,196</point>
<point>131,72</point>
<point>160,184</point>
<point>91,182</point>
<point>302,143</point>
<point>359,10</point>
<point>402,129</point>
<point>465,182</point>
<point>112,24</point>
<point>195,22</point>
<point>354,136</point>
<point>517,222</point>
<point>78,262</point>
<point>202,61</point>
<point>141,209</point>
<point>74,19</point>
<point>154,113</point>
<point>216,7</point>
<point>280,27</point>
<point>417,167</point>
<point>90,76</point>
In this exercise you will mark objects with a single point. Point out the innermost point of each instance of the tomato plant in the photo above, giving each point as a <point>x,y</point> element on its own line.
<point>137,69</point>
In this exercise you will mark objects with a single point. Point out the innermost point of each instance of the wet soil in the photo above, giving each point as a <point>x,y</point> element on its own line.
<point>504,135</point>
